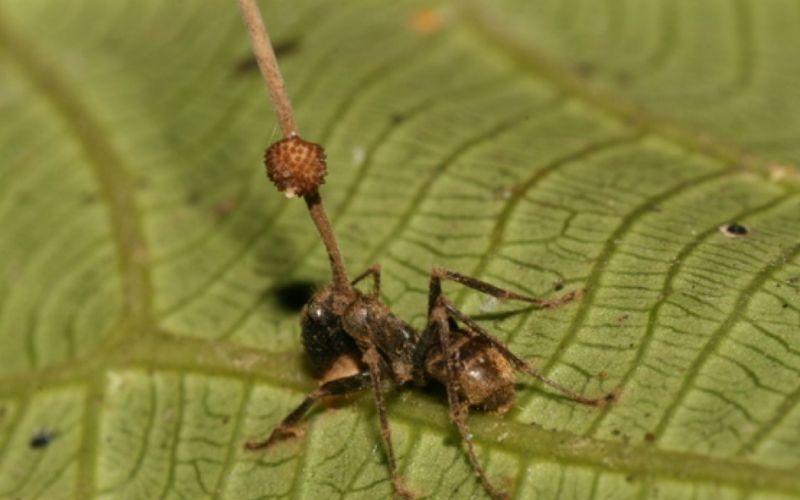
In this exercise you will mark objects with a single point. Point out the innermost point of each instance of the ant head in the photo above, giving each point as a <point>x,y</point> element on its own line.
<point>324,339</point>
<point>320,309</point>
<point>296,166</point>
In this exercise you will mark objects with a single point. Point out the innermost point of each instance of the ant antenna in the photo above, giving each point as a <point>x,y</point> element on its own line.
<point>296,167</point>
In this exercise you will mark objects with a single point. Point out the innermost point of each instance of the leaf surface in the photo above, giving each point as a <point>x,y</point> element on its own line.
<point>150,279</point>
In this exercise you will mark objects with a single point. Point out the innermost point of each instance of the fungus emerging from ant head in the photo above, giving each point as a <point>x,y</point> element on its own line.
<point>354,340</point>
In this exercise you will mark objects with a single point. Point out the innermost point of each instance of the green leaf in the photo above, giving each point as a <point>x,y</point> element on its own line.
<point>149,275</point>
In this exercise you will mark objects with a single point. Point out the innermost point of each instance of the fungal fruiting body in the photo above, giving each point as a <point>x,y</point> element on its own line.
<point>297,167</point>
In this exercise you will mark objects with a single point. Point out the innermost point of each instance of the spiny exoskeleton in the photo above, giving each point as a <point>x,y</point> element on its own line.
<point>354,340</point>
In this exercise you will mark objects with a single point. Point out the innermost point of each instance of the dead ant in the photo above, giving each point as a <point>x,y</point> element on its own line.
<point>354,340</point>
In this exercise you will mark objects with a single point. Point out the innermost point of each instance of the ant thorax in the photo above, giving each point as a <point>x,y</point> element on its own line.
<point>370,319</point>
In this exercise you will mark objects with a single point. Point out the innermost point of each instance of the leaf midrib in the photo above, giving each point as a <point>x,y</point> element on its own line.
<point>162,352</point>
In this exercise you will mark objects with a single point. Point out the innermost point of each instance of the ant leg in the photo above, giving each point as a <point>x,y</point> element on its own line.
<point>372,359</point>
<point>430,333</point>
<point>336,387</point>
<point>375,271</point>
<point>421,354</point>
<point>439,273</point>
<point>458,409</point>
<point>518,363</point>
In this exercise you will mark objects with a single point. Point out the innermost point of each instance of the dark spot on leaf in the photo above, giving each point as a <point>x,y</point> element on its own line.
<point>246,64</point>
<point>630,478</point>
<point>41,439</point>
<point>624,78</point>
<point>89,198</point>
<point>223,208</point>
<point>293,296</point>
<point>585,69</point>
<point>615,432</point>
<point>193,198</point>
<point>287,47</point>
<point>397,118</point>
<point>734,230</point>
<point>558,286</point>
<point>785,305</point>
<point>649,437</point>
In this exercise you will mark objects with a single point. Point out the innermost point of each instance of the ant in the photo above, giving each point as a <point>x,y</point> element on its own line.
<point>354,340</point>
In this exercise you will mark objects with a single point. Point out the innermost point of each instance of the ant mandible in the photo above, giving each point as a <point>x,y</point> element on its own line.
<point>354,340</point>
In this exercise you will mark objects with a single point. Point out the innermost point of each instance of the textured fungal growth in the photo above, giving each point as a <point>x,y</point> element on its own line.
<point>296,167</point>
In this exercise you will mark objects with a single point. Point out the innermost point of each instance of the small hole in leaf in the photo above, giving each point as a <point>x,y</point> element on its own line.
<point>734,230</point>
<point>293,296</point>
<point>41,439</point>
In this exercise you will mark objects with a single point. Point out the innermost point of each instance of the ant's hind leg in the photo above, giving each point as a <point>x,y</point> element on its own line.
<point>338,387</point>
<point>436,300</point>
<point>459,409</point>
<point>374,271</point>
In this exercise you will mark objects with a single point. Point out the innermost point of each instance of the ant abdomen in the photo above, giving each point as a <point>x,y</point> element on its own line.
<point>323,337</point>
<point>485,377</point>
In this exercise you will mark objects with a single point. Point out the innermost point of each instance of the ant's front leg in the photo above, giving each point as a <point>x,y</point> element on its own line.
<point>374,271</point>
<point>287,427</point>
<point>373,360</point>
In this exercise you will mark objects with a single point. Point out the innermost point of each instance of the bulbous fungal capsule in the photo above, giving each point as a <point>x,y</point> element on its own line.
<point>296,166</point>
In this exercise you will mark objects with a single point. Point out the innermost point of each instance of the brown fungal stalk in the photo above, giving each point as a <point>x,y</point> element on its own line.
<point>297,167</point>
